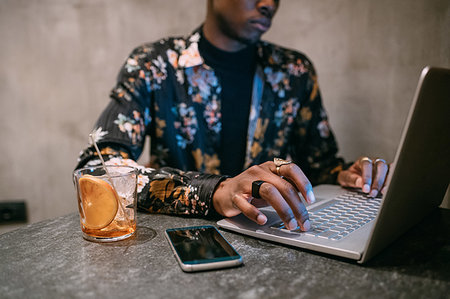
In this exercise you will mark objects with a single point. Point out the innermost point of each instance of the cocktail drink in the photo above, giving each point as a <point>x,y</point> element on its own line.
<point>107,202</point>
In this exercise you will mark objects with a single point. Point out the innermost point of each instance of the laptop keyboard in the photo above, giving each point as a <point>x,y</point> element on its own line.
<point>340,216</point>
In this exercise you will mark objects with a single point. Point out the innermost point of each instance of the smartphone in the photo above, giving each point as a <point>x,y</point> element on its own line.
<point>199,248</point>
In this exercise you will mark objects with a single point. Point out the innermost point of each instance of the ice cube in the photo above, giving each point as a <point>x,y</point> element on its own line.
<point>125,187</point>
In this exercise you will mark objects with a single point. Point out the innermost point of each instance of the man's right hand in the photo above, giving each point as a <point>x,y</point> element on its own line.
<point>234,195</point>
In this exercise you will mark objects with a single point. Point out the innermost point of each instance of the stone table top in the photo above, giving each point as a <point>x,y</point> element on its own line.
<point>50,259</point>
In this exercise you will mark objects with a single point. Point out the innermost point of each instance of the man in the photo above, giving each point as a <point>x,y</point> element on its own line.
<point>222,102</point>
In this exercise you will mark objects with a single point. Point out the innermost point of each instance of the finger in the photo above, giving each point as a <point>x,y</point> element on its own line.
<point>248,209</point>
<point>387,180</point>
<point>297,178</point>
<point>380,171</point>
<point>284,198</point>
<point>366,174</point>
<point>350,179</point>
<point>292,197</point>
<point>259,203</point>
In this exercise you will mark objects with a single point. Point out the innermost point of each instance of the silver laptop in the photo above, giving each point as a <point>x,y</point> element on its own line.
<point>345,222</point>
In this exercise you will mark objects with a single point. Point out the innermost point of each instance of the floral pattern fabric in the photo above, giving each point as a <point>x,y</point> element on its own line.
<point>166,91</point>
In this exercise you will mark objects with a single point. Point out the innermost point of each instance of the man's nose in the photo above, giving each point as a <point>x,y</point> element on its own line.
<point>268,7</point>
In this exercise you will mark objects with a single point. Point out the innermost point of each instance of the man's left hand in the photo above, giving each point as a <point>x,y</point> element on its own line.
<point>367,174</point>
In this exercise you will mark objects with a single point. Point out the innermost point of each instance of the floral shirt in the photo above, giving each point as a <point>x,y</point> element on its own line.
<point>166,91</point>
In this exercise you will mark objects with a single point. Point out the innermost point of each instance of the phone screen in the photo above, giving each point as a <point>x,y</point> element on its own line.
<point>200,244</point>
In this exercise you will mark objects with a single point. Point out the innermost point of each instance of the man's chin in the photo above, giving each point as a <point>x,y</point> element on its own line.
<point>250,40</point>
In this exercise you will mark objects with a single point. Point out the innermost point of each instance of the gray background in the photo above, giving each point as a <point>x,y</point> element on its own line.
<point>59,60</point>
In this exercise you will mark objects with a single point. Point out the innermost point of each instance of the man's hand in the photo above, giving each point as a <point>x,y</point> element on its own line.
<point>234,195</point>
<point>370,176</point>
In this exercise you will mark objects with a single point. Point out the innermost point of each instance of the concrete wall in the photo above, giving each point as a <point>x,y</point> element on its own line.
<point>59,59</point>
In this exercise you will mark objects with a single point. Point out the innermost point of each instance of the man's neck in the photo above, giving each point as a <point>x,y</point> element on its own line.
<point>242,61</point>
<point>220,40</point>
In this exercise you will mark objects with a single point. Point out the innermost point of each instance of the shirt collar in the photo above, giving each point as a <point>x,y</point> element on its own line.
<point>190,55</point>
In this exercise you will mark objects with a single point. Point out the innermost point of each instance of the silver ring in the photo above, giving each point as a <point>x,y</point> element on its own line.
<point>379,160</point>
<point>280,162</point>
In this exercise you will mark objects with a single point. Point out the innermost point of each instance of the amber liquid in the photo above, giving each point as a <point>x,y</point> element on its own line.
<point>113,230</point>
<point>124,224</point>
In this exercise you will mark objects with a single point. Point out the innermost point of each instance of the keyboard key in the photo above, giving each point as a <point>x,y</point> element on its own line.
<point>316,230</point>
<point>326,225</point>
<point>343,234</point>
<point>334,222</point>
<point>327,234</point>
<point>342,226</point>
<point>339,229</point>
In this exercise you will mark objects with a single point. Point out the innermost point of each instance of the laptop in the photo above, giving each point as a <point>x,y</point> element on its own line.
<point>349,224</point>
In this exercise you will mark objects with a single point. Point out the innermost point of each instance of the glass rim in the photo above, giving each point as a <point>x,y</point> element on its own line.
<point>132,169</point>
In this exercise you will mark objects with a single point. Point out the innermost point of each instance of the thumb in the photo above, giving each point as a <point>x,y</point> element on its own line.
<point>350,179</point>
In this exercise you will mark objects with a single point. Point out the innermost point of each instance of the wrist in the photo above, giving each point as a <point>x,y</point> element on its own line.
<point>219,192</point>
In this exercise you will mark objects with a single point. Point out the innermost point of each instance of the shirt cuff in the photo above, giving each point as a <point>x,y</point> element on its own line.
<point>206,185</point>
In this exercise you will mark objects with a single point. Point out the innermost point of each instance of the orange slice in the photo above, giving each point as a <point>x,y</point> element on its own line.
<point>100,202</point>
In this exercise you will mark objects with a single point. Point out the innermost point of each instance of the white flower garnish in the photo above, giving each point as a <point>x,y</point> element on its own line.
<point>98,134</point>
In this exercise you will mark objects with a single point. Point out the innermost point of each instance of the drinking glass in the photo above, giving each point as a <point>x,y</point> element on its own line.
<point>107,202</point>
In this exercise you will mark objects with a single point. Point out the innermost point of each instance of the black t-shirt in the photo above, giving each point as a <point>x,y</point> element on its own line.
<point>235,70</point>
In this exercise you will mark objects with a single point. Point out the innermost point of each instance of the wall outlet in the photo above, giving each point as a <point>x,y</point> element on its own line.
<point>13,212</point>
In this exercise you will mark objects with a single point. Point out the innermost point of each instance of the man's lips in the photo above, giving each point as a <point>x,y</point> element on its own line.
<point>262,24</point>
